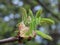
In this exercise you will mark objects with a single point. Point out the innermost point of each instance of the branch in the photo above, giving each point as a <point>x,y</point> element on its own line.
<point>11,39</point>
<point>47,9</point>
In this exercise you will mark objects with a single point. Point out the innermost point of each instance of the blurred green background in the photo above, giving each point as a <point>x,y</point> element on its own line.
<point>10,17</point>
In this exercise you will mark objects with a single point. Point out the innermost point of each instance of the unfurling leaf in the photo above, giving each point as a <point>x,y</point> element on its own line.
<point>31,25</point>
<point>24,14</point>
<point>44,35</point>
<point>37,20</point>
<point>30,13</point>
<point>46,21</point>
<point>28,26</point>
<point>38,13</point>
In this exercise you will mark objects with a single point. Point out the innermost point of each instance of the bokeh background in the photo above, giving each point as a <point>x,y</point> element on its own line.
<point>10,17</point>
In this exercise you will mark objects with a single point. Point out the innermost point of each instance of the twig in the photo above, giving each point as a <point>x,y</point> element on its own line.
<point>11,39</point>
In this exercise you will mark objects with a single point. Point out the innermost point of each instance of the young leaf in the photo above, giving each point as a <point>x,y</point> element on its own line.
<point>32,25</point>
<point>30,13</point>
<point>24,14</point>
<point>45,36</point>
<point>38,13</point>
<point>37,20</point>
<point>46,20</point>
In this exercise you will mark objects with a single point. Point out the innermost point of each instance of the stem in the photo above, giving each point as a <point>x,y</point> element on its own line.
<point>11,39</point>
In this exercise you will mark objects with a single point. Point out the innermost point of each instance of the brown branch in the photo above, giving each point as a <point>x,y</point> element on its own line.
<point>11,39</point>
<point>47,9</point>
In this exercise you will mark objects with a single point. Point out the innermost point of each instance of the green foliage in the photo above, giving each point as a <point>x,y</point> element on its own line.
<point>30,13</point>
<point>24,14</point>
<point>38,13</point>
<point>46,21</point>
<point>35,20</point>
<point>7,7</point>
<point>43,35</point>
